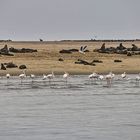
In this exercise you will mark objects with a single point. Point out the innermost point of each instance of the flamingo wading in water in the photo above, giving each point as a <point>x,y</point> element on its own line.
<point>8,77</point>
<point>66,75</point>
<point>93,75</point>
<point>32,76</point>
<point>138,78</point>
<point>109,78</point>
<point>44,77</point>
<point>22,76</point>
<point>50,76</point>
<point>123,75</point>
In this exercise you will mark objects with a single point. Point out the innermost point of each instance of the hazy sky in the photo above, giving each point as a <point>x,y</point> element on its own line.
<point>69,19</point>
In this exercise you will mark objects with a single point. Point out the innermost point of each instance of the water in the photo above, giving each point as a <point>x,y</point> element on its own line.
<point>78,110</point>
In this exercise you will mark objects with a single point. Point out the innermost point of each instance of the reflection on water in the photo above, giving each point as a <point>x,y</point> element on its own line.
<point>77,110</point>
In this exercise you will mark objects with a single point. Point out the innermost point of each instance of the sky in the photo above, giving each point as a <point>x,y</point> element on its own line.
<point>69,19</point>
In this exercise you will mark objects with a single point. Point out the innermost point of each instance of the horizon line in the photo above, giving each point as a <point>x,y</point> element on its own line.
<point>63,40</point>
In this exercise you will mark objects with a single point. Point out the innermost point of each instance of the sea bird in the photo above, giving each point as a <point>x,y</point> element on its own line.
<point>123,75</point>
<point>94,76</point>
<point>22,76</point>
<point>44,77</point>
<point>32,76</point>
<point>138,77</point>
<point>66,75</point>
<point>101,77</point>
<point>50,76</point>
<point>109,78</point>
<point>82,49</point>
<point>8,76</point>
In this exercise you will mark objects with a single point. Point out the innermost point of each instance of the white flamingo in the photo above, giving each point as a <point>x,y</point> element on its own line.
<point>90,76</point>
<point>109,78</point>
<point>112,75</point>
<point>8,75</point>
<point>94,76</point>
<point>101,77</point>
<point>22,76</point>
<point>123,75</point>
<point>66,75</point>
<point>32,76</point>
<point>44,77</point>
<point>138,77</point>
<point>50,76</point>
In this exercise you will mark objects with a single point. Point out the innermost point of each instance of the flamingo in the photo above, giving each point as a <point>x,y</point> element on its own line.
<point>32,76</point>
<point>123,75</point>
<point>22,76</point>
<point>93,75</point>
<point>50,76</point>
<point>8,76</point>
<point>65,76</point>
<point>112,75</point>
<point>101,77</point>
<point>90,76</point>
<point>109,78</point>
<point>138,77</point>
<point>44,77</point>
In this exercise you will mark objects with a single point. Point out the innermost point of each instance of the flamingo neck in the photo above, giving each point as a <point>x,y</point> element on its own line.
<point>24,72</point>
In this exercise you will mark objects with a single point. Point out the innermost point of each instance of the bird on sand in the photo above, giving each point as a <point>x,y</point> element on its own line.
<point>82,49</point>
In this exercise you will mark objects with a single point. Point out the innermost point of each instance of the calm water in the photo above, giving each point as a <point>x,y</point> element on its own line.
<point>78,110</point>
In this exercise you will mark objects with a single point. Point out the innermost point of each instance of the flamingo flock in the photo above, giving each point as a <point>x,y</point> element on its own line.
<point>110,76</point>
<point>92,77</point>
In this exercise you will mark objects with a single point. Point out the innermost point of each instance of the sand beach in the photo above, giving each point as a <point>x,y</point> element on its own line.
<point>46,59</point>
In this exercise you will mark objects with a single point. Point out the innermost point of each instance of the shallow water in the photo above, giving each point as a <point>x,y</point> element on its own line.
<point>77,110</point>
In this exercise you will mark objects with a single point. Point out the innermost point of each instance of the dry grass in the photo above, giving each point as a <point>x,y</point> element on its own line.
<point>46,59</point>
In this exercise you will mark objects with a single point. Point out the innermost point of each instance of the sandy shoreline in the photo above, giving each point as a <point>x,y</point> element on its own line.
<point>46,59</point>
